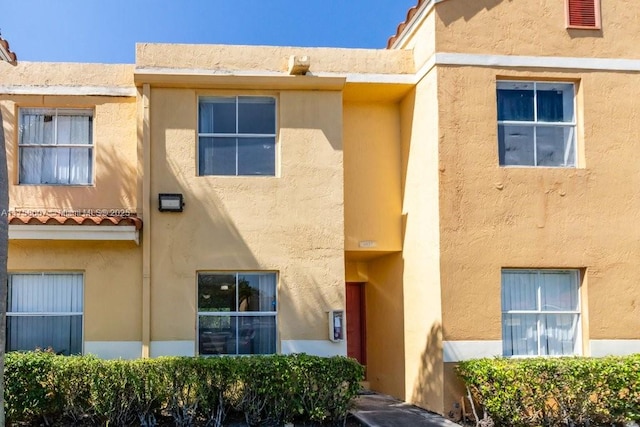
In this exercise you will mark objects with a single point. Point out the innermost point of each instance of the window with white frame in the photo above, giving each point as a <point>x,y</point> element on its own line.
<point>45,311</point>
<point>536,124</point>
<point>237,136</point>
<point>56,146</point>
<point>237,313</point>
<point>540,312</point>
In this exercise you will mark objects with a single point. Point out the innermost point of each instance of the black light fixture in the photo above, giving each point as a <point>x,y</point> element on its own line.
<point>170,202</point>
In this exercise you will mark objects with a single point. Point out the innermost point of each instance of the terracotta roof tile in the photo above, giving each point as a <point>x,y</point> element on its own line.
<point>4,45</point>
<point>410,14</point>
<point>75,220</point>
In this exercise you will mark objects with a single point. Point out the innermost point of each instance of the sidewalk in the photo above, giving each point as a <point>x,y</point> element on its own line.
<point>379,410</point>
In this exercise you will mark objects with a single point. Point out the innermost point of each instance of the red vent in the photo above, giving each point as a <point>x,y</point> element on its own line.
<point>583,13</point>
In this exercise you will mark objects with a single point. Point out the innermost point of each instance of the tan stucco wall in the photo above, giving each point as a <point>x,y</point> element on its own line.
<point>539,217</point>
<point>385,325</point>
<point>534,28</point>
<point>272,58</point>
<point>115,155</point>
<point>293,223</point>
<point>48,74</point>
<point>421,250</point>
<point>421,39</point>
<point>372,176</point>
<point>112,278</point>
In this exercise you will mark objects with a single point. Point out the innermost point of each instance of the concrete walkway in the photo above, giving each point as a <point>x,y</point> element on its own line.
<point>379,410</point>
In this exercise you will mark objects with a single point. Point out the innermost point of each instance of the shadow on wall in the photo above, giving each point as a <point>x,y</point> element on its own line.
<point>452,11</point>
<point>427,389</point>
<point>114,171</point>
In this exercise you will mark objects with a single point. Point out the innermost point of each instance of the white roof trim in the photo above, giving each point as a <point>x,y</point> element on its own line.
<point>68,90</point>
<point>74,232</point>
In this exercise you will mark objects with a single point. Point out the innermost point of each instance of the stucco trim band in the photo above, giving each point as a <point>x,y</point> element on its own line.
<point>564,62</point>
<point>324,348</point>
<point>68,90</point>
<point>114,349</point>
<point>73,232</point>
<point>457,351</point>
<point>601,348</point>
<point>172,348</point>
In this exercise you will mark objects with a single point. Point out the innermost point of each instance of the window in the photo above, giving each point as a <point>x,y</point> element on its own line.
<point>583,14</point>
<point>536,124</point>
<point>237,136</point>
<point>56,146</point>
<point>236,313</point>
<point>45,311</point>
<point>540,312</point>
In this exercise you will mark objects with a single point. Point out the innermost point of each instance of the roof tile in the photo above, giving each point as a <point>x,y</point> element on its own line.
<point>410,14</point>
<point>75,220</point>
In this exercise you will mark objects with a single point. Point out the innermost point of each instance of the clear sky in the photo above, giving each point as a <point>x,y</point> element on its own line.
<point>106,30</point>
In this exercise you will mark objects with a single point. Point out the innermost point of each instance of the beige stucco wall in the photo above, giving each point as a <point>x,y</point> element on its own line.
<point>112,291</point>
<point>539,217</point>
<point>115,156</point>
<point>534,28</point>
<point>385,325</point>
<point>421,38</point>
<point>421,246</point>
<point>52,74</point>
<point>271,58</point>
<point>292,223</point>
<point>372,176</point>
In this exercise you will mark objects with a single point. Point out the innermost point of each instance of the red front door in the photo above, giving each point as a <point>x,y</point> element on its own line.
<point>355,322</point>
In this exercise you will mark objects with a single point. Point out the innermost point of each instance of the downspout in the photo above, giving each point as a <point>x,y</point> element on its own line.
<point>146,220</point>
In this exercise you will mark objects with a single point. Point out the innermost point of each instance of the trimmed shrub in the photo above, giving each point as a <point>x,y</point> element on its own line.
<point>43,388</point>
<point>555,391</point>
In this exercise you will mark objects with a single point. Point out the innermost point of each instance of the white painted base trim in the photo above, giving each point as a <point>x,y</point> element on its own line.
<point>601,348</point>
<point>73,232</point>
<point>172,348</point>
<point>324,348</point>
<point>457,351</point>
<point>114,349</point>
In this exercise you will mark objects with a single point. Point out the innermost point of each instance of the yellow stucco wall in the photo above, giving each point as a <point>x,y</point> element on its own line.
<point>292,223</point>
<point>534,28</point>
<point>538,217</point>
<point>272,58</point>
<point>112,291</point>
<point>372,176</point>
<point>115,156</point>
<point>421,39</point>
<point>421,246</point>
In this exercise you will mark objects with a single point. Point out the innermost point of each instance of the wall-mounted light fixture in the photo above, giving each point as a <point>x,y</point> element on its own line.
<point>170,202</point>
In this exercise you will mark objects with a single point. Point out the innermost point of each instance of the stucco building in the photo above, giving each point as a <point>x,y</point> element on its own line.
<point>469,191</point>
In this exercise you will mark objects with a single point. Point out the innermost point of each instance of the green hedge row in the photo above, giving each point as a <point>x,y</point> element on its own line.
<point>41,387</point>
<point>556,391</point>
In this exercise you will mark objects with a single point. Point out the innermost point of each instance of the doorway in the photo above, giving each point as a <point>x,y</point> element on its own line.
<point>356,328</point>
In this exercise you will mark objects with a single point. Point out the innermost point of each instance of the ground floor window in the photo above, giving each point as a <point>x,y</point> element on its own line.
<point>237,313</point>
<point>540,312</point>
<point>45,311</point>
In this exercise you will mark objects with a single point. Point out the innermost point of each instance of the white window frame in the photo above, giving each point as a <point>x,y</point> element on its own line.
<point>49,313</point>
<point>535,124</point>
<point>90,146</point>
<point>577,350</point>
<point>237,135</point>
<point>236,313</point>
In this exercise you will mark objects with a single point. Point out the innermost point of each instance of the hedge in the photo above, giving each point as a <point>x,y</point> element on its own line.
<point>44,388</point>
<point>555,391</point>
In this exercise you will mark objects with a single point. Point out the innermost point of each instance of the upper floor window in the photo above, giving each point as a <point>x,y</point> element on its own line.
<point>536,124</point>
<point>583,14</point>
<point>540,312</point>
<point>56,146</point>
<point>237,136</point>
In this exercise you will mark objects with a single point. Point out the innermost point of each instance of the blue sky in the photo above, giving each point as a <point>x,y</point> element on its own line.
<point>106,30</point>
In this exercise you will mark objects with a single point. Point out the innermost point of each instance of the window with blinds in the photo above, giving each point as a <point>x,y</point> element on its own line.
<point>45,310</point>
<point>583,14</point>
